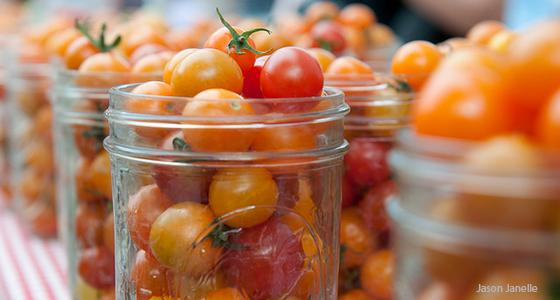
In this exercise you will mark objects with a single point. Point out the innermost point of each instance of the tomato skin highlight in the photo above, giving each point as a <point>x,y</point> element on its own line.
<point>291,72</point>
<point>548,126</point>
<point>268,248</point>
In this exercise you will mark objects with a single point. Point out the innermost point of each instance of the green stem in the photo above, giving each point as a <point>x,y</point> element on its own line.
<point>100,43</point>
<point>240,41</point>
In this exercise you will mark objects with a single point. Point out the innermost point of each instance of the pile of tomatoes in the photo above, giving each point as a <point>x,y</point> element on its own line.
<point>497,93</point>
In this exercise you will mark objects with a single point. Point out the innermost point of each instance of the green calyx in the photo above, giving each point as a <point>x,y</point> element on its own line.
<point>220,237</point>
<point>99,43</point>
<point>240,41</point>
<point>180,145</point>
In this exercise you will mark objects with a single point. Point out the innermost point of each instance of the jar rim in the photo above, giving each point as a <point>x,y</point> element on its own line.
<point>439,234</point>
<point>362,88</point>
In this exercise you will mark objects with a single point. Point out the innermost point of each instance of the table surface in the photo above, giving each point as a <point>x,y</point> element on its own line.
<point>30,268</point>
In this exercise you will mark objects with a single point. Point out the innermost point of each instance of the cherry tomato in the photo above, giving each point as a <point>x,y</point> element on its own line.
<point>467,89</point>
<point>220,40</point>
<point>141,36</point>
<point>373,206</point>
<point>235,189</point>
<point>96,267</point>
<point>88,140</point>
<point>152,63</point>
<point>501,41</point>
<point>145,50</point>
<point>266,249</point>
<point>415,61</point>
<point>226,294</point>
<point>377,274</point>
<point>100,172</point>
<point>179,39</point>
<point>330,36</point>
<point>85,191</point>
<point>206,69</point>
<point>42,218</point>
<point>80,49</point>
<point>104,62</point>
<point>215,103</point>
<point>60,41</point>
<point>89,224</point>
<point>439,291</point>
<point>149,277</point>
<point>549,123</point>
<point>357,242</point>
<point>176,239</point>
<point>283,74</point>
<point>323,57</point>
<point>321,10</point>
<point>151,106</point>
<point>109,232</point>
<point>349,192</point>
<point>252,81</point>
<point>285,138</point>
<point>356,295</point>
<point>483,32</point>
<point>142,210</point>
<point>534,74</point>
<point>348,65</point>
<point>366,162</point>
<point>174,62</point>
<point>357,15</point>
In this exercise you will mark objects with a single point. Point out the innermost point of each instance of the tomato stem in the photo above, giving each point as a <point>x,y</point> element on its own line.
<point>220,236</point>
<point>100,43</point>
<point>240,42</point>
<point>180,145</point>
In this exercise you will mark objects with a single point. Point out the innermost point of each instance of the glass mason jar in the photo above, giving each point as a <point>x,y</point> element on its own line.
<point>466,232</point>
<point>379,107</point>
<point>30,138</point>
<point>4,124</point>
<point>83,178</point>
<point>244,204</point>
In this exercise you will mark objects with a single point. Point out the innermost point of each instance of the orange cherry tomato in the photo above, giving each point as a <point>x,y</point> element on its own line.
<point>377,274</point>
<point>483,32</point>
<point>465,98</point>
<point>348,65</point>
<point>548,126</point>
<point>501,41</point>
<point>206,69</point>
<point>141,36</point>
<point>321,10</point>
<point>174,62</point>
<point>85,191</point>
<point>42,218</point>
<point>152,63</point>
<point>415,61</point>
<point>324,57</point>
<point>355,238</point>
<point>236,189</point>
<point>89,224</point>
<point>355,295</point>
<point>284,138</point>
<point>59,42</point>
<point>147,49</point>
<point>182,39</point>
<point>215,103</point>
<point>357,15</point>
<point>104,62</point>
<point>176,239</point>
<point>78,50</point>
<point>142,210</point>
<point>109,232</point>
<point>226,294</point>
<point>535,69</point>
<point>100,172</point>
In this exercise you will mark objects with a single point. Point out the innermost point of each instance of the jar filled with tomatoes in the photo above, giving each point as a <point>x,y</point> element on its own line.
<point>30,138</point>
<point>5,188</point>
<point>479,201</point>
<point>92,65</point>
<point>379,107</point>
<point>227,176</point>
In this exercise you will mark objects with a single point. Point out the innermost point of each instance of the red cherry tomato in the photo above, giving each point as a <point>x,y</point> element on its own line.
<point>143,209</point>
<point>149,277</point>
<point>252,81</point>
<point>270,262</point>
<point>330,36</point>
<point>291,72</point>
<point>348,192</point>
<point>366,162</point>
<point>373,206</point>
<point>89,224</point>
<point>96,267</point>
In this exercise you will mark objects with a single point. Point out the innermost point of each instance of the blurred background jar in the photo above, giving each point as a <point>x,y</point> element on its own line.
<point>246,204</point>
<point>476,220</point>
<point>379,108</point>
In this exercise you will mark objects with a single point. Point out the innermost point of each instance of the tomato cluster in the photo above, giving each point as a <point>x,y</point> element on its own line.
<point>212,229</point>
<point>494,96</point>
